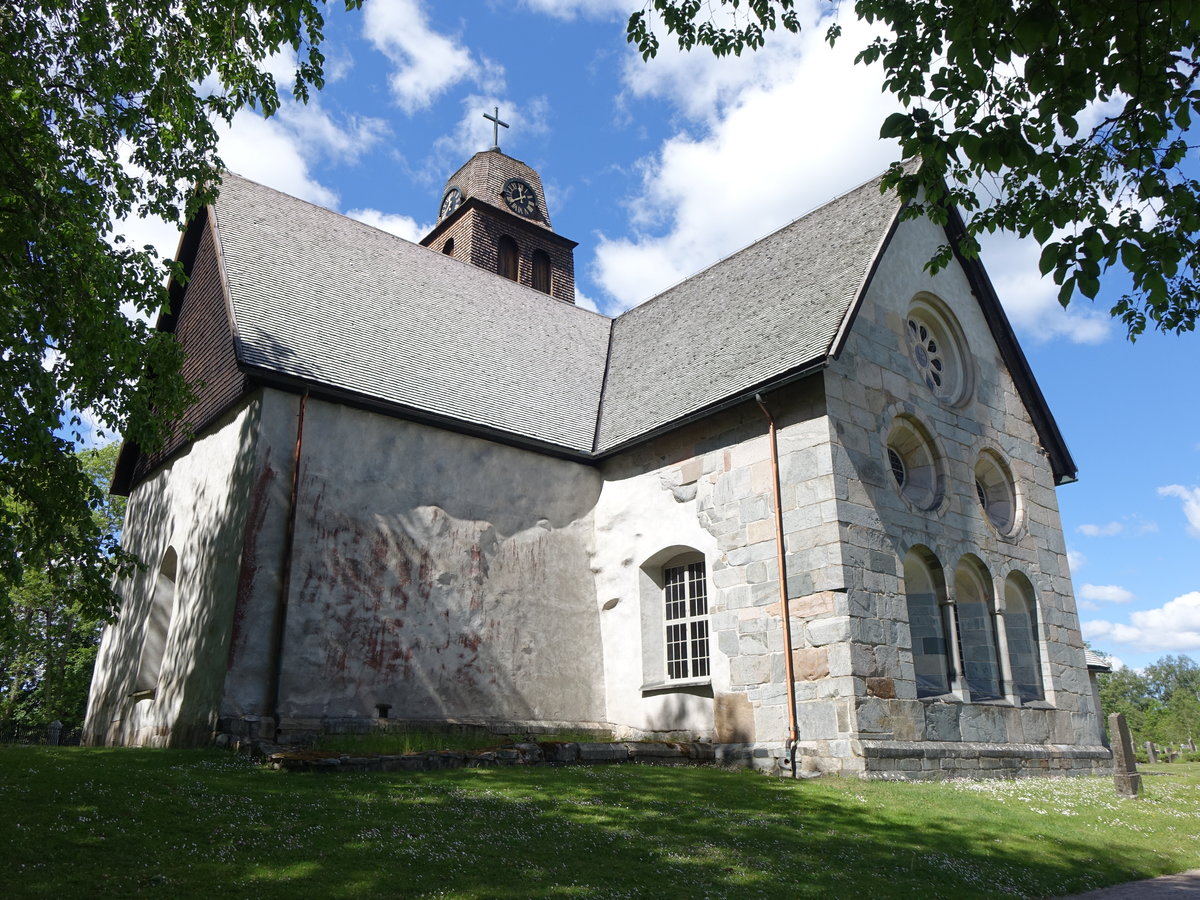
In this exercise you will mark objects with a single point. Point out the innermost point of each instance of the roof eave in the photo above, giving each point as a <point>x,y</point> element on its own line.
<point>521,224</point>
<point>1061,463</point>
<point>265,377</point>
<point>185,254</point>
<point>747,394</point>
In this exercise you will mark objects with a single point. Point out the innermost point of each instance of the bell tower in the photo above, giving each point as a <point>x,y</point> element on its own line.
<point>493,215</point>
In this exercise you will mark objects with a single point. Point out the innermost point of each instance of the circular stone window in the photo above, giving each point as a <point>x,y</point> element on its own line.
<point>937,348</point>
<point>996,492</point>
<point>914,464</point>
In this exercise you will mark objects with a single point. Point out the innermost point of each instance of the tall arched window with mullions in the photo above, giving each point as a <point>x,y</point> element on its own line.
<point>1021,628</point>
<point>975,606</point>
<point>685,617</point>
<point>925,592</point>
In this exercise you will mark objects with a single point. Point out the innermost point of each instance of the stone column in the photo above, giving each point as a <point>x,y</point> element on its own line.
<point>1007,686</point>
<point>1125,773</point>
<point>958,684</point>
<point>1151,752</point>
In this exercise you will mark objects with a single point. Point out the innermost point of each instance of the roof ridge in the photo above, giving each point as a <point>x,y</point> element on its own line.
<point>758,240</point>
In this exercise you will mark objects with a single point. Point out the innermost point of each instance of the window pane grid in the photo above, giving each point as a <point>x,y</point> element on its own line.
<point>677,651</point>
<point>685,595</point>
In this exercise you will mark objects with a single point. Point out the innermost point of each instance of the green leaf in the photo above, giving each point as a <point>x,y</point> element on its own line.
<point>1131,256</point>
<point>1049,258</point>
<point>896,125</point>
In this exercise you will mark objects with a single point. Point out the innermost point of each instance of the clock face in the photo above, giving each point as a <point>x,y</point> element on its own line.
<point>450,202</point>
<point>520,197</point>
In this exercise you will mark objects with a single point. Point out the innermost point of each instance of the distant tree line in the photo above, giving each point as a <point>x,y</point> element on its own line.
<point>1161,704</point>
<point>49,634</point>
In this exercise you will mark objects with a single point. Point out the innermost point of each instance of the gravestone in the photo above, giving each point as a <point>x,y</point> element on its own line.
<point>1125,773</point>
<point>1191,745</point>
<point>1151,753</point>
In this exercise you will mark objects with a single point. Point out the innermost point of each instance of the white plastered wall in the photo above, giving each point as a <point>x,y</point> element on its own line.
<point>196,505</point>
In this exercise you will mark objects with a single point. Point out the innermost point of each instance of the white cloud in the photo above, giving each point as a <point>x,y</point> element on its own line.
<point>426,63</point>
<point>316,130</point>
<point>265,150</point>
<point>1031,300</point>
<point>1105,593</point>
<point>1075,560</point>
<point>472,133</point>
<point>584,301</point>
<point>402,226</point>
<point>1172,627</point>
<point>161,235</point>
<point>1191,504</point>
<point>759,161</point>
<point>1112,528</point>
<point>282,65</point>
<point>592,9</point>
<point>277,152</point>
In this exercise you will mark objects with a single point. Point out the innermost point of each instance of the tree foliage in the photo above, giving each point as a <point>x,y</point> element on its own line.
<point>48,637</point>
<point>1061,120</point>
<point>1161,705</point>
<point>107,111</point>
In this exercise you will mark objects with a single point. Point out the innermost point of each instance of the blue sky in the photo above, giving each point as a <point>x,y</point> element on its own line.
<point>659,169</point>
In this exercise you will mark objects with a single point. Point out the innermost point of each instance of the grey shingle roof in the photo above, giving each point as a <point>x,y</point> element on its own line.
<point>323,298</point>
<point>764,311</point>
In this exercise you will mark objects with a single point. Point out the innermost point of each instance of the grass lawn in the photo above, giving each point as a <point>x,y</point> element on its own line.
<point>110,822</point>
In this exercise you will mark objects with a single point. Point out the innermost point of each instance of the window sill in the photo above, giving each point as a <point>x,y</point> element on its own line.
<point>657,687</point>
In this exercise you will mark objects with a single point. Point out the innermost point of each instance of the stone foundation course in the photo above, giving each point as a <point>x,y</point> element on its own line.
<point>519,754</point>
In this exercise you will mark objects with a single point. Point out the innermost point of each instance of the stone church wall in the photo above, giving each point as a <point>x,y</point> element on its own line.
<point>441,575</point>
<point>707,487</point>
<point>196,507</point>
<point>873,385</point>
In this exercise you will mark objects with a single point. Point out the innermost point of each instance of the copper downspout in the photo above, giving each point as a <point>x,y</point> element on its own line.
<point>788,670</point>
<point>285,580</point>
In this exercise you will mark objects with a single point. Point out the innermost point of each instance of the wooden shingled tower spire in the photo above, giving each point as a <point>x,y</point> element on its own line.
<point>493,215</point>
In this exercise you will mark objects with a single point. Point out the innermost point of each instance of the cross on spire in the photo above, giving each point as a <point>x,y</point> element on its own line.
<point>494,118</point>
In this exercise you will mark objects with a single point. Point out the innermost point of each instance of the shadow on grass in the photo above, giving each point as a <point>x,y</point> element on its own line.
<point>191,823</point>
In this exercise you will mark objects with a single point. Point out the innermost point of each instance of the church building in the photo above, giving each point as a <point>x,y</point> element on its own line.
<point>801,505</point>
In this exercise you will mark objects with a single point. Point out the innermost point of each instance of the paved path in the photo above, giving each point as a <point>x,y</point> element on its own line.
<point>1168,887</point>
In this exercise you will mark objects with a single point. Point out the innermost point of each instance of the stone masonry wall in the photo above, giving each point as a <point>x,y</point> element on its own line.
<point>708,487</point>
<point>875,382</point>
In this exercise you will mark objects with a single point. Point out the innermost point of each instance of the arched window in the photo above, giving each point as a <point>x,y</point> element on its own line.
<point>506,257</point>
<point>157,624</point>
<point>685,615</point>
<point>976,631</point>
<point>925,591</point>
<point>448,247</point>
<point>541,271</point>
<point>1021,626</point>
